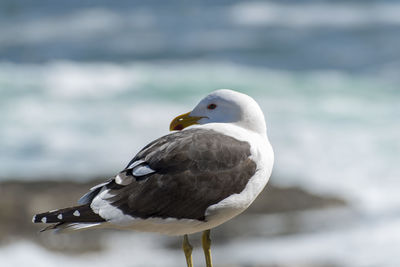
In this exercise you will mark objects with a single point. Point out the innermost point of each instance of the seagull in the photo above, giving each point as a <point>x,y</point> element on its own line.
<point>207,171</point>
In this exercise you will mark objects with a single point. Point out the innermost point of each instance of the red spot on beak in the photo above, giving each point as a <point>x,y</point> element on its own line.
<point>178,127</point>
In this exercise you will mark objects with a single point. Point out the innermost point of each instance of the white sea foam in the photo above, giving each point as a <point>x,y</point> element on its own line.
<point>131,250</point>
<point>370,244</point>
<point>358,242</point>
<point>328,14</point>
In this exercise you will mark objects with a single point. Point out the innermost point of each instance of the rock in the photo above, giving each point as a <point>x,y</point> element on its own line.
<point>20,200</point>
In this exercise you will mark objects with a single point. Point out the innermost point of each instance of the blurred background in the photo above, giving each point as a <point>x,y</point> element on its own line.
<point>85,84</point>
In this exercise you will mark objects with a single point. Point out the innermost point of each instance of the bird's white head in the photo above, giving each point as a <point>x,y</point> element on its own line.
<point>224,106</point>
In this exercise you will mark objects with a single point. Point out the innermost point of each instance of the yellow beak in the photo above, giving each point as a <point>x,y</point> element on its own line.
<point>183,121</point>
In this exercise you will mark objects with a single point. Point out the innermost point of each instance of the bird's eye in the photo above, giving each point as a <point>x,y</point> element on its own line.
<point>211,106</point>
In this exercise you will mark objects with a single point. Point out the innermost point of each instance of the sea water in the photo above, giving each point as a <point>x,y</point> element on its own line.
<point>84,87</point>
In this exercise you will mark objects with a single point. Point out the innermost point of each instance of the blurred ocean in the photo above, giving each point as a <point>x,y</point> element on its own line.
<point>84,85</point>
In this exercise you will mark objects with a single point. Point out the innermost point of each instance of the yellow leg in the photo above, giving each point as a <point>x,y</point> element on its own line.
<point>187,249</point>
<point>206,240</point>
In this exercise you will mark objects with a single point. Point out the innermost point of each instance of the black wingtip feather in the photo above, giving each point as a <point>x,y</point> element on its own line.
<point>77,214</point>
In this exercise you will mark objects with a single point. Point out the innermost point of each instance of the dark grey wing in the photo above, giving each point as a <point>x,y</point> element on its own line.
<point>181,174</point>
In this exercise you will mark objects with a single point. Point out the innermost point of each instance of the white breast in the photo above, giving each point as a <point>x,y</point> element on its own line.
<point>262,154</point>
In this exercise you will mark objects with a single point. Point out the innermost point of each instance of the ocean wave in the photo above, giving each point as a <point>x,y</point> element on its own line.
<point>81,24</point>
<point>316,15</point>
<point>289,35</point>
<point>124,25</point>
